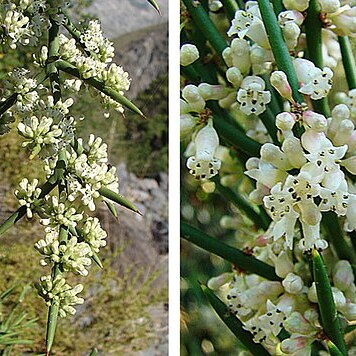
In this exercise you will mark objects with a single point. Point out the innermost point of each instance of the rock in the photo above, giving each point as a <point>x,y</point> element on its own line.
<point>120,17</point>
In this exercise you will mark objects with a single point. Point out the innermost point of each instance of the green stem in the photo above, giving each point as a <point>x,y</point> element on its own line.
<point>269,121</point>
<point>279,47</point>
<point>278,6</point>
<point>313,27</point>
<point>233,323</point>
<point>336,237</point>
<point>328,313</point>
<point>242,204</point>
<point>54,308</point>
<point>99,85</point>
<point>206,26</point>
<point>230,7</point>
<point>348,61</point>
<point>231,254</point>
<point>52,72</point>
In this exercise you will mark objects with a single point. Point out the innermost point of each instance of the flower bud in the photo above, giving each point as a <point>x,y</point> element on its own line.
<point>234,76</point>
<point>344,132</point>
<point>297,324</point>
<point>283,264</point>
<point>299,5</point>
<point>350,164</point>
<point>329,5</point>
<point>338,297</point>
<point>212,92</point>
<point>188,54</point>
<point>285,122</point>
<point>349,311</point>
<point>290,16</point>
<point>187,124</point>
<point>215,283</point>
<point>293,284</point>
<point>312,296</point>
<point>293,149</point>
<point>280,82</point>
<point>344,21</point>
<point>315,121</point>
<point>229,222</point>
<point>291,32</point>
<point>343,276</point>
<point>240,54</point>
<point>273,154</point>
<point>191,94</point>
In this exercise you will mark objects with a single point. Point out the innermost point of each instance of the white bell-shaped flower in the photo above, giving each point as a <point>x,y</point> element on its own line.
<point>252,96</point>
<point>204,165</point>
<point>315,82</point>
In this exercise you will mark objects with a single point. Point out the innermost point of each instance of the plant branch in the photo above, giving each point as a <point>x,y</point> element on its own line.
<point>99,85</point>
<point>279,47</point>
<point>313,28</point>
<point>229,253</point>
<point>348,61</point>
<point>242,204</point>
<point>328,313</point>
<point>206,26</point>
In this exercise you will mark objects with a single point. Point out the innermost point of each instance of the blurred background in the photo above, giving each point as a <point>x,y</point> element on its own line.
<point>126,304</point>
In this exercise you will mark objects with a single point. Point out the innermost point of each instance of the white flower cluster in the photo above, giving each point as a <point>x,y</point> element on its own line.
<point>58,291</point>
<point>73,256</point>
<point>265,307</point>
<point>28,195</point>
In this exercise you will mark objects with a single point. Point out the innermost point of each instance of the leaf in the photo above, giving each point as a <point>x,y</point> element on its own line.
<point>231,254</point>
<point>234,324</point>
<point>112,208</point>
<point>155,5</point>
<point>329,318</point>
<point>117,198</point>
<point>93,352</point>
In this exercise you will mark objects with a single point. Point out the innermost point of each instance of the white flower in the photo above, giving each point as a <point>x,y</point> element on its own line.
<point>315,82</point>
<point>343,21</point>
<point>28,195</point>
<point>189,53</point>
<point>238,55</point>
<point>248,23</point>
<point>203,165</point>
<point>252,96</point>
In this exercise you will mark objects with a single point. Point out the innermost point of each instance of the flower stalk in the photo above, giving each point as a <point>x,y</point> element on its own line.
<point>279,47</point>
<point>328,313</point>
<point>348,61</point>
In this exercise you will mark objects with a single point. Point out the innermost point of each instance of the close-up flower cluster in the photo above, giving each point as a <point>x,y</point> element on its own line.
<point>267,124</point>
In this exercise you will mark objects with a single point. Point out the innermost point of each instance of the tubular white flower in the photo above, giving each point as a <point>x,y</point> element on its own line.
<point>203,165</point>
<point>315,82</point>
<point>238,55</point>
<point>189,53</point>
<point>252,96</point>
